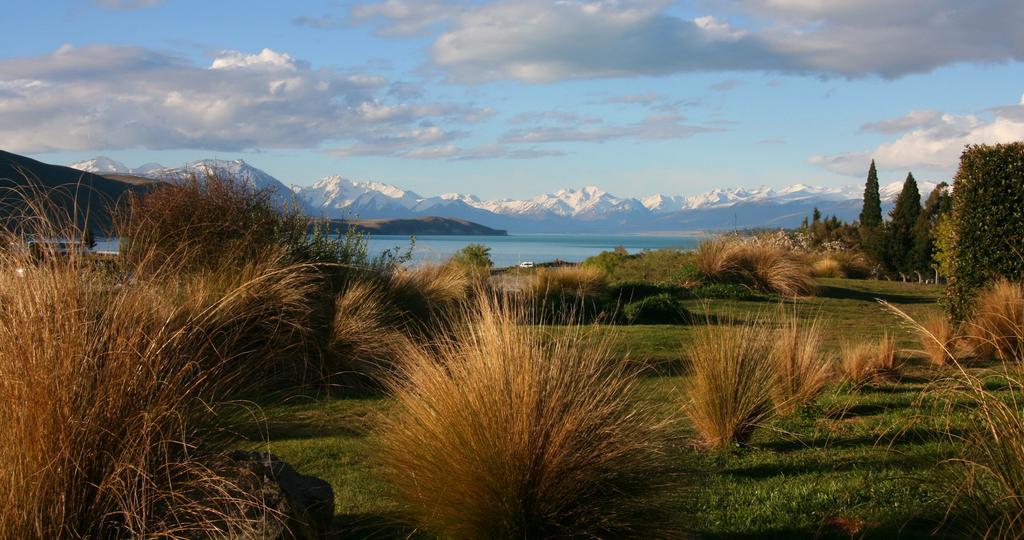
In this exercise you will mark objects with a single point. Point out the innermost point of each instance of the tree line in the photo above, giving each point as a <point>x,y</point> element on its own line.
<point>904,244</point>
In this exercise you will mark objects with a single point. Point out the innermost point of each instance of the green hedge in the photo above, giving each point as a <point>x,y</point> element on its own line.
<point>988,221</point>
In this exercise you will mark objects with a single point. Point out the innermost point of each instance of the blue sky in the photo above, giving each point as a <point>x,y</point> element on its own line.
<point>513,98</point>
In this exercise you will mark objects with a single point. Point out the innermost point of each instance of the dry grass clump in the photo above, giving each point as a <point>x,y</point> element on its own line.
<point>827,267</point>
<point>367,337</point>
<point>511,431</point>
<point>995,329</point>
<point>841,264</point>
<point>802,371</point>
<point>985,482</point>
<point>113,396</point>
<point>938,339</point>
<point>731,381</point>
<point>430,290</point>
<point>199,222</point>
<point>569,280</point>
<point>864,361</point>
<point>716,259</point>
<point>756,264</point>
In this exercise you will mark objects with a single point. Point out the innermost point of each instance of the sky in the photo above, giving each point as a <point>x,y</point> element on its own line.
<point>513,98</point>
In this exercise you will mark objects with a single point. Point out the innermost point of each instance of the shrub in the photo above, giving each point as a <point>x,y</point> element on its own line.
<point>514,432</point>
<point>655,266</point>
<point>996,326</point>
<point>988,222</point>
<point>865,361</point>
<point>731,381</point>
<point>661,308</point>
<point>631,291</point>
<point>801,369</point>
<point>727,291</point>
<point>473,259</point>
<point>113,400</point>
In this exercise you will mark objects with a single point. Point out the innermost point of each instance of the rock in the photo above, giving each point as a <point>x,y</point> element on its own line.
<point>306,502</point>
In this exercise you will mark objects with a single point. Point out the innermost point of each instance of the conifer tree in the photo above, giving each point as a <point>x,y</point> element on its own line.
<point>938,204</point>
<point>900,231</point>
<point>871,214</point>
<point>871,237</point>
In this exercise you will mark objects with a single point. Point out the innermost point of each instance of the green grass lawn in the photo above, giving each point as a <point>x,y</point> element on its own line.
<point>856,462</point>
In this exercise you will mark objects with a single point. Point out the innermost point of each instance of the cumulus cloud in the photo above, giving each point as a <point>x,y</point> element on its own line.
<point>449,151</point>
<point>726,85</point>
<point>320,22</point>
<point>106,97</point>
<point>543,41</point>
<point>934,145</point>
<point>659,127</point>
<point>406,17</point>
<point>918,119</point>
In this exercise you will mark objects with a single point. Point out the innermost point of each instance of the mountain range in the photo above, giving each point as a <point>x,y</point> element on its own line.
<point>589,209</point>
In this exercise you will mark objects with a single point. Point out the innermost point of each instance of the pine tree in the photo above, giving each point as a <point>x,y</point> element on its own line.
<point>871,237</point>
<point>871,214</point>
<point>939,204</point>
<point>900,231</point>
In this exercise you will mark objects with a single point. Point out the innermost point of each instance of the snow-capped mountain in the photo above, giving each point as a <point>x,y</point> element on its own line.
<point>104,165</point>
<point>339,193</point>
<point>588,209</point>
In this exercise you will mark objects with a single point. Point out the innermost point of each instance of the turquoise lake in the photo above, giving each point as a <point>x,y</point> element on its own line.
<point>513,249</point>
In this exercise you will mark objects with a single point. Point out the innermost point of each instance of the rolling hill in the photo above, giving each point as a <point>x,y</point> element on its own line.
<point>27,185</point>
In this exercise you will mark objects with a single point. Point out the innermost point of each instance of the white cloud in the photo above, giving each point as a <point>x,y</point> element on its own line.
<point>935,145</point>
<point>111,97</point>
<point>406,17</point>
<point>917,119</point>
<point>657,127</point>
<point>543,41</point>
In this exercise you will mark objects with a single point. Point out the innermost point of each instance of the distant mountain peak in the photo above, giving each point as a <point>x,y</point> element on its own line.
<point>587,208</point>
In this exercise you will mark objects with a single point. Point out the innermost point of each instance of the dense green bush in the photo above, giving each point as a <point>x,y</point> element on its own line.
<point>630,291</point>
<point>728,291</point>
<point>662,308</point>
<point>988,221</point>
<point>655,266</point>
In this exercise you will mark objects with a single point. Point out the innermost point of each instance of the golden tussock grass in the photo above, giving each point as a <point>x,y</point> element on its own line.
<point>995,329</point>
<point>802,370</point>
<point>983,485</point>
<point>827,267</point>
<point>114,395</point>
<point>511,431</point>
<point>569,280</point>
<point>865,361</point>
<point>938,339</point>
<point>755,264</point>
<point>368,337</point>
<point>731,381</point>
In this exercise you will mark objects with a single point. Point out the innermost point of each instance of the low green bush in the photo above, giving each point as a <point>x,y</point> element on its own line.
<point>662,308</point>
<point>728,291</point>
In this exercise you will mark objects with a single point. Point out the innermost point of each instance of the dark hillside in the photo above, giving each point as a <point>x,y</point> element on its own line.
<point>67,192</point>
